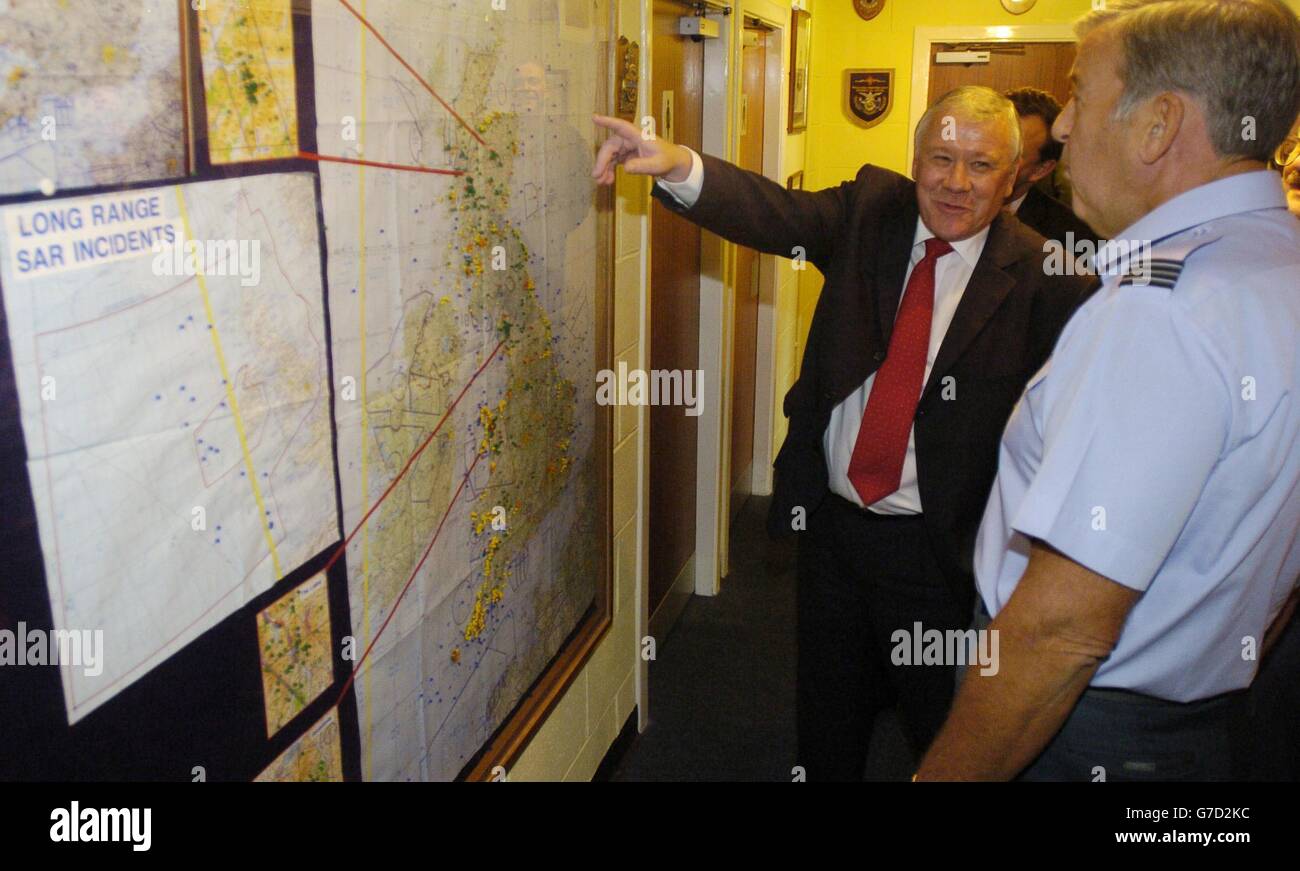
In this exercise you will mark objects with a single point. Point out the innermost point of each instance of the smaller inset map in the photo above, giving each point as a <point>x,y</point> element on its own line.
<point>246,49</point>
<point>316,757</point>
<point>293,635</point>
<point>90,94</point>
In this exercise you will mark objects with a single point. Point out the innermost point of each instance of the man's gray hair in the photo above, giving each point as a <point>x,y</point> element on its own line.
<point>974,103</point>
<point>1239,59</point>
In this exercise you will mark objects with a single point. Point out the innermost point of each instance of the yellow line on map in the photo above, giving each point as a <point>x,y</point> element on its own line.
<point>365,422</point>
<point>230,393</point>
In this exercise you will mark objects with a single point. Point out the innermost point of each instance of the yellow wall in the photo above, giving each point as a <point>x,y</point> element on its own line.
<point>842,40</point>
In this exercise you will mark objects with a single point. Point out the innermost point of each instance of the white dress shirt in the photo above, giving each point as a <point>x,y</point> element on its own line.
<point>1014,206</point>
<point>950,278</point>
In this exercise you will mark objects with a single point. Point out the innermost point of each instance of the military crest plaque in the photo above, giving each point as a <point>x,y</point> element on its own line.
<point>868,95</point>
<point>868,9</point>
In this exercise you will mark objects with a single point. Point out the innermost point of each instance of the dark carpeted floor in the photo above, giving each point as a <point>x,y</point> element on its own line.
<point>722,687</point>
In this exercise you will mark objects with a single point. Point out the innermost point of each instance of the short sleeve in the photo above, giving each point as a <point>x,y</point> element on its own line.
<point>1133,415</point>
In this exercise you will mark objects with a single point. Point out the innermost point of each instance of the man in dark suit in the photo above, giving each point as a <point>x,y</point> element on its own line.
<point>926,278</point>
<point>1038,159</point>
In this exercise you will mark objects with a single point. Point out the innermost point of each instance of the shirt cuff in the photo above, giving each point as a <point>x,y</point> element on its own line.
<point>688,191</point>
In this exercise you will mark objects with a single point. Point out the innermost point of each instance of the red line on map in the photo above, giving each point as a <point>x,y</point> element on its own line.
<point>410,460</point>
<point>398,601</point>
<point>411,70</point>
<point>329,158</point>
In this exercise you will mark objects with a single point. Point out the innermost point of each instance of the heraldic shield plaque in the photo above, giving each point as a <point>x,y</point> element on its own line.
<point>868,9</point>
<point>868,95</point>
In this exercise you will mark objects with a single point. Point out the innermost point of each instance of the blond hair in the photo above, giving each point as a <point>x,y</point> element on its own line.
<point>976,103</point>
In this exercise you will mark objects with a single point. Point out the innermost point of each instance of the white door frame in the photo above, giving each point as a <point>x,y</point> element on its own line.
<point>928,36</point>
<point>722,88</point>
<point>776,99</point>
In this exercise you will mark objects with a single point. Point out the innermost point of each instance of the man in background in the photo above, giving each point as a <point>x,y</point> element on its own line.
<point>1052,219</point>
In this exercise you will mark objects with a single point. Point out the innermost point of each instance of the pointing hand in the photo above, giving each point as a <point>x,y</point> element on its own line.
<point>638,155</point>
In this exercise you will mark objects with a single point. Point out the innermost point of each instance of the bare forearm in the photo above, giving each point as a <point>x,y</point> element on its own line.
<point>1000,722</point>
<point>1060,624</point>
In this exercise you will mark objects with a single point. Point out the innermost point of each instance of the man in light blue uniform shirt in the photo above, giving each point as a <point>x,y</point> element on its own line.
<point>1158,445</point>
<point>1143,533</point>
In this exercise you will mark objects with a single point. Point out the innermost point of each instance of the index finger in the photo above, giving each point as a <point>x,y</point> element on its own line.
<point>617,126</point>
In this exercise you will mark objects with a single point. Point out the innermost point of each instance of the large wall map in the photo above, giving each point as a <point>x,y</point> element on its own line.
<point>319,403</point>
<point>463,300</point>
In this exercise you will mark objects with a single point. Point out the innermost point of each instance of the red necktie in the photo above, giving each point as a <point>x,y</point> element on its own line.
<point>876,467</point>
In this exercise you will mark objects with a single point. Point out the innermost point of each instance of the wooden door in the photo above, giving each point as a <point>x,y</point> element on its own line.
<point>678,70</point>
<point>1044,65</point>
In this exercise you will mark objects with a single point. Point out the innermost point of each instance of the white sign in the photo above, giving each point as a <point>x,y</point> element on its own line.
<point>46,238</point>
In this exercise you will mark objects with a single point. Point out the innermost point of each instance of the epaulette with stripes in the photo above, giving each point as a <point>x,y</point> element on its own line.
<point>1160,272</point>
<point>1163,271</point>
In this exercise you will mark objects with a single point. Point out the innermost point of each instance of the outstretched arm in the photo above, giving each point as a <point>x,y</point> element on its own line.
<point>741,206</point>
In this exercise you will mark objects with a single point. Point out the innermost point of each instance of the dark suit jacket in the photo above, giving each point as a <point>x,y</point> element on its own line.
<point>1052,219</point>
<point>859,235</point>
